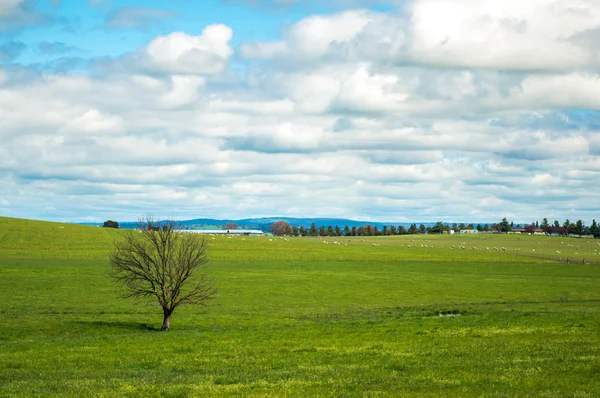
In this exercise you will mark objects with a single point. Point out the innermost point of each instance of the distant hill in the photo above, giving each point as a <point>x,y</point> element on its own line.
<point>265,223</point>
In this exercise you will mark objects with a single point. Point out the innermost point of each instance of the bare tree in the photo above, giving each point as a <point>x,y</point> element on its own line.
<point>162,262</point>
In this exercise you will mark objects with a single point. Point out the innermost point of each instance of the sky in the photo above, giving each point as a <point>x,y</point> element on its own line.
<point>382,110</point>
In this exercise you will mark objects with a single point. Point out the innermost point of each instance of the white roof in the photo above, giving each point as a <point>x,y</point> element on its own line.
<point>226,232</point>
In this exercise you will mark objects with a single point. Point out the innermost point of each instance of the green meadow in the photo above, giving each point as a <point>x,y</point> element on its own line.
<point>452,316</point>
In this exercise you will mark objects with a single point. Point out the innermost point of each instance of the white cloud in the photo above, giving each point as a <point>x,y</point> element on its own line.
<point>348,34</point>
<point>94,121</point>
<point>439,58</point>
<point>264,50</point>
<point>545,179</point>
<point>539,145</point>
<point>371,92</point>
<point>184,90</point>
<point>315,35</point>
<point>573,90</point>
<point>180,53</point>
<point>508,35</point>
<point>284,107</point>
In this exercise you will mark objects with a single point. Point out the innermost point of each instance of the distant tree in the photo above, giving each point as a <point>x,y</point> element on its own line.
<point>462,226</point>
<point>579,227</point>
<point>313,231</point>
<point>594,230</point>
<point>438,228</point>
<point>330,231</point>
<point>162,263</point>
<point>454,227</point>
<point>486,228</point>
<point>322,231</point>
<point>412,230</point>
<point>303,231</point>
<point>338,231</point>
<point>479,228</point>
<point>111,224</point>
<point>347,231</point>
<point>504,226</point>
<point>295,231</point>
<point>385,230</point>
<point>376,231</point>
<point>530,228</point>
<point>281,228</point>
<point>368,230</point>
<point>393,230</point>
<point>354,232</point>
<point>230,226</point>
<point>402,230</point>
<point>559,230</point>
<point>422,228</point>
<point>556,224</point>
<point>544,225</point>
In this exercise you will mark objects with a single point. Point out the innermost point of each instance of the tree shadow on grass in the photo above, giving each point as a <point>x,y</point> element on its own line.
<point>117,325</point>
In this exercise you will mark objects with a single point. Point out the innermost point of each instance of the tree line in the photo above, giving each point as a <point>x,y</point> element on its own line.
<point>556,228</point>
<point>283,228</point>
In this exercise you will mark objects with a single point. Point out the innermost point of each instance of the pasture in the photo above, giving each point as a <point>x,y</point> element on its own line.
<point>385,316</point>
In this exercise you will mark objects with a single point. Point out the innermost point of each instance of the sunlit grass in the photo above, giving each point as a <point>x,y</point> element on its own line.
<point>300,317</point>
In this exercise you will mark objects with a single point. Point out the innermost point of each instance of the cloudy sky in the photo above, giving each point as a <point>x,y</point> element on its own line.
<point>389,110</point>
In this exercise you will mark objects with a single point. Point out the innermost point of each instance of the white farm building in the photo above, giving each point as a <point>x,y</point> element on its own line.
<point>251,232</point>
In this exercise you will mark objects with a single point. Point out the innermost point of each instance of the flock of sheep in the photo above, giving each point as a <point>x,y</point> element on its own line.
<point>428,245</point>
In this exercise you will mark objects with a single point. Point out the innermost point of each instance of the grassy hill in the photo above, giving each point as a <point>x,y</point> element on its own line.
<point>30,238</point>
<point>304,317</point>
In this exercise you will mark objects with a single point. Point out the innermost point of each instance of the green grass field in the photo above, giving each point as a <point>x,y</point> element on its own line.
<point>306,317</point>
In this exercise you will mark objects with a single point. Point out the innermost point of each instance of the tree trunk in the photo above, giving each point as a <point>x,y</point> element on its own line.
<point>166,320</point>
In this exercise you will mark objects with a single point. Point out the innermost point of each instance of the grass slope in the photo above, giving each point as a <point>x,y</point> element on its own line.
<point>303,317</point>
<point>29,238</point>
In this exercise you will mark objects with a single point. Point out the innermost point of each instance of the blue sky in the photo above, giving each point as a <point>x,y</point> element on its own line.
<point>110,28</point>
<point>388,110</point>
